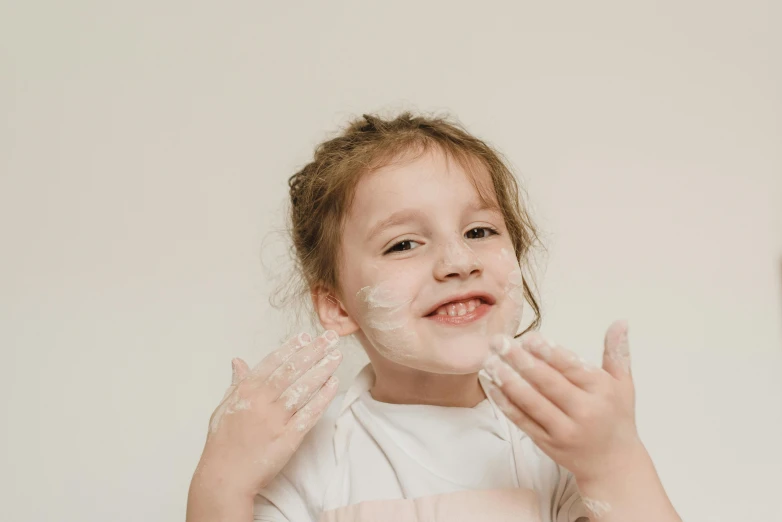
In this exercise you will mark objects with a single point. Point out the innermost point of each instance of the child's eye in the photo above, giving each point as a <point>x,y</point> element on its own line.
<point>489,232</point>
<point>480,233</point>
<point>401,246</point>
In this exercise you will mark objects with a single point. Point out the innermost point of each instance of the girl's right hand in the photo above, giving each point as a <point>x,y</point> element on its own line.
<point>265,414</point>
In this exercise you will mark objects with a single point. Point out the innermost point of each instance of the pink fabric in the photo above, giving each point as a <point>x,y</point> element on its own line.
<point>497,505</point>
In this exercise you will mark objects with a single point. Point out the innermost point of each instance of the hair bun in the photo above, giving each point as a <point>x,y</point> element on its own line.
<point>294,185</point>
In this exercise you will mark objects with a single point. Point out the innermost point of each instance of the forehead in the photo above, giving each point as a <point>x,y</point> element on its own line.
<point>429,181</point>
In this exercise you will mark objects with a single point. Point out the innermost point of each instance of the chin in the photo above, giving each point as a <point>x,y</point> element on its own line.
<point>462,359</point>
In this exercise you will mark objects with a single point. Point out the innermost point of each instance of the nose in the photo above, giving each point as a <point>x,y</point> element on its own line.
<point>457,260</point>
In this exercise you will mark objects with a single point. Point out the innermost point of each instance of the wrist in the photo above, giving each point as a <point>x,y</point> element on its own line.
<point>616,469</point>
<point>213,496</point>
<point>631,491</point>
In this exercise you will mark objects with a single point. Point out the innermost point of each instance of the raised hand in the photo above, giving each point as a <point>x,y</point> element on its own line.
<point>581,416</point>
<point>261,421</point>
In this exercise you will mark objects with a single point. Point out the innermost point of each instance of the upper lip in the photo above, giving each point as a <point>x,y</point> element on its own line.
<point>463,297</point>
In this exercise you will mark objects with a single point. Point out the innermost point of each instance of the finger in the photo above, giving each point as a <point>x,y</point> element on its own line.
<point>301,361</point>
<point>523,396</point>
<point>515,415</point>
<point>574,368</point>
<point>273,361</point>
<point>300,392</point>
<point>307,416</point>
<point>240,371</point>
<point>546,380</point>
<point>214,420</point>
<point>616,356</point>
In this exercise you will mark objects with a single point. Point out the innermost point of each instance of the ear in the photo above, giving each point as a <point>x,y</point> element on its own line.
<point>331,312</point>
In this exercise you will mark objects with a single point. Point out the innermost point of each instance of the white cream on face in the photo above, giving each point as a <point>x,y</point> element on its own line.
<point>390,321</point>
<point>388,304</point>
<point>387,317</point>
<point>513,290</point>
<point>389,292</point>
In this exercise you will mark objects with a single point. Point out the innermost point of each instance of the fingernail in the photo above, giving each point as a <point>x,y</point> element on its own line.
<point>499,399</point>
<point>620,352</point>
<point>547,347</point>
<point>624,347</point>
<point>500,344</point>
<point>331,335</point>
<point>304,338</point>
<point>493,389</point>
<point>539,345</point>
<point>333,355</point>
<point>625,339</point>
<point>234,376</point>
<point>492,366</point>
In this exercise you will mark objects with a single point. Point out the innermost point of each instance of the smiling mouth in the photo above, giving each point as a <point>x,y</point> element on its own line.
<point>458,308</point>
<point>460,312</point>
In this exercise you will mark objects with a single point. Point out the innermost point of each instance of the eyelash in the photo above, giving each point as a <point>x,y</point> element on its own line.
<point>493,232</point>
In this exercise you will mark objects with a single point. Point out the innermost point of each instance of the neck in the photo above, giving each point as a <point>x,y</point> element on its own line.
<point>397,384</point>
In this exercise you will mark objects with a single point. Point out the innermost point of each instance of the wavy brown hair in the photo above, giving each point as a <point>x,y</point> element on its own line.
<point>321,192</point>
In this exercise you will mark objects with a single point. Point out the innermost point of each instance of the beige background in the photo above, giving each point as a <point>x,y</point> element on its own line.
<point>144,153</point>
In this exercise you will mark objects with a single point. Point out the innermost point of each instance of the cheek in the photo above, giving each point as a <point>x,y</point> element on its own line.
<point>386,316</point>
<point>384,306</point>
<point>509,277</point>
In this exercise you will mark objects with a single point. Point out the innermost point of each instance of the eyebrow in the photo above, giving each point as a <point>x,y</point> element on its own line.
<point>397,218</point>
<point>406,215</point>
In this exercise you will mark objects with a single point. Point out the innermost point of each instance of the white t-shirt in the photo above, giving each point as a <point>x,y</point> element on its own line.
<point>363,450</point>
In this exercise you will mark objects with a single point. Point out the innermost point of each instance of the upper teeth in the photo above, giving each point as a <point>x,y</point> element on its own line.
<point>458,308</point>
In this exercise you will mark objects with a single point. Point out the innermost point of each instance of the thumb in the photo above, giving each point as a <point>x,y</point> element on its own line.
<point>240,371</point>
<point>616,356</point>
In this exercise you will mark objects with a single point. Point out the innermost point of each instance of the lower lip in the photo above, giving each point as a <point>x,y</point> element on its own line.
<point>456,320</point>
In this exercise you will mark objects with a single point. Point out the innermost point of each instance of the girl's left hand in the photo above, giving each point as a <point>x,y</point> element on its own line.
<point>581,416</point>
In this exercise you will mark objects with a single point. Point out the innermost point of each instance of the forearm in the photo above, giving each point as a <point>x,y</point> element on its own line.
<point>208,501</point>
<point>633,493</point>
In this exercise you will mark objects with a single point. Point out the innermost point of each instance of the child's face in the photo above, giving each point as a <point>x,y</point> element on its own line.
<point>417,237</point>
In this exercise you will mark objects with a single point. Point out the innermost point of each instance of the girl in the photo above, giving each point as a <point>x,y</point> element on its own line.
<point>409,235</point>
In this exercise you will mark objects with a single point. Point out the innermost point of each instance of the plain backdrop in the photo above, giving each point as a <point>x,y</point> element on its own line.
<point>144,153</point>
